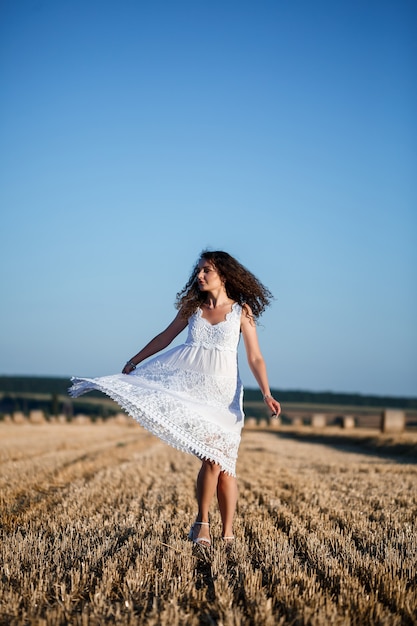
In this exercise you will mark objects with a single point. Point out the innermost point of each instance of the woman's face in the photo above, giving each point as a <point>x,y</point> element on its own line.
<point>207,276</point>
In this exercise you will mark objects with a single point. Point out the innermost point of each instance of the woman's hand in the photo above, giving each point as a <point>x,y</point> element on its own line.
<point>129,367</point>
<point>273,405</point>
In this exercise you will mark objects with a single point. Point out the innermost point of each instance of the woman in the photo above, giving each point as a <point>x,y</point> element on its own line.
<point>191,396</point>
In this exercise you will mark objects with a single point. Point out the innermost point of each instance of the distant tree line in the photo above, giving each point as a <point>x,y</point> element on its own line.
<point>329,397</point>
<point>53,405</point>
<point>34,384</point>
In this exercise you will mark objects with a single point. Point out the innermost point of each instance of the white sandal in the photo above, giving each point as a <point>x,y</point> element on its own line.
<point>201,541</point>
<point>228,541</point>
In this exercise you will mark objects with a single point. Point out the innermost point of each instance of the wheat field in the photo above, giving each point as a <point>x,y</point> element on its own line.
<point>94,520</point>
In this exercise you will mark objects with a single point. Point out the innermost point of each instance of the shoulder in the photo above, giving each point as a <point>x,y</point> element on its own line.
<point>247,317</point>
<point>189,316</point>
<point>180,321</point>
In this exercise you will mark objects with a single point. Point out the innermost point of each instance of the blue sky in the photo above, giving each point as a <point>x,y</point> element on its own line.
<point>135,134</point>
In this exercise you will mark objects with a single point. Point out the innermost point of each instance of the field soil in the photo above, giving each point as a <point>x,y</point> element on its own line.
<point>94,523</point>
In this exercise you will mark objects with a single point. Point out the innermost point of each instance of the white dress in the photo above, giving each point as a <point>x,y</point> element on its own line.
<point>189,396</point>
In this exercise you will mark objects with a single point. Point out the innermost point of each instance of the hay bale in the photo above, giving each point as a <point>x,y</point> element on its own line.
<point>275,423</point>
<point>318,420</point>
<point>296,421</point>
<point>392,421</point>
<point>122,418</point>
<point>81,419</point>
<point>37,417</point>
<point>348,421</point>
<point>19,417</point>
<point>61,419</point>
<point>250,422</point>
<point>263,423</point>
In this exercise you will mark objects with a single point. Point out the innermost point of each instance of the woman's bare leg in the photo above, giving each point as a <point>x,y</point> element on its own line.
<point>207,480</point>
<point>227,499</point>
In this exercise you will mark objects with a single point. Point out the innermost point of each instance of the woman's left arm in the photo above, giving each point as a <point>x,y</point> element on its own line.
<point>256,360</point>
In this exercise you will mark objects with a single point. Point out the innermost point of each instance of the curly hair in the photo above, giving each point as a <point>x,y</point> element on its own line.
<point>240,284</point>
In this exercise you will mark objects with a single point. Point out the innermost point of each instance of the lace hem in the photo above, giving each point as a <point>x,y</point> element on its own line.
<point>166,417</point>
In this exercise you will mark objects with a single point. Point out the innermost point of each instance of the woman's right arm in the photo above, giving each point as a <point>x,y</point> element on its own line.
<point>158,343</point>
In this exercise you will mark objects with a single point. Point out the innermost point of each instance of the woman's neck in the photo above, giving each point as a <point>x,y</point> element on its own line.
<point>217,299</point>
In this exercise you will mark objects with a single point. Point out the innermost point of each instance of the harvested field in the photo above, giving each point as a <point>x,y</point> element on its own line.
<point>94,521</point>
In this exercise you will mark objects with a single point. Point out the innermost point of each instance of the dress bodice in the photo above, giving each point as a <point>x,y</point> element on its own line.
<point>222,336</point>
